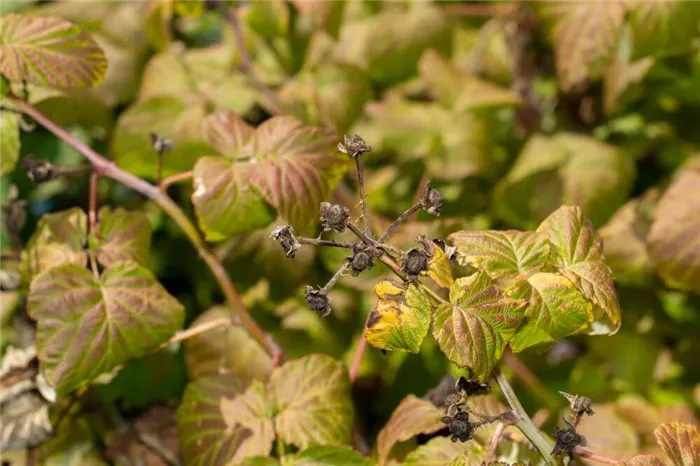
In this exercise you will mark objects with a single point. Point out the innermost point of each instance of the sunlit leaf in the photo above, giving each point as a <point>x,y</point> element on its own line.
<point>87,325</point>
<point>121,235</point>
<point>401,318</point>
<point>388,45</point>
<point>609,433</point>
<point>619,77</point>
<point>321,455</point>
<point>227,348</point>
<point>9,141</point>
<point>556,309</point>
<point>312,398</point>
<point>440,269</point>
<point>293,167</point>
<point>474,328</point>
<point>502,253</point>
<point>58,239</point>
<point>269,19</point>
<point>674,238</point>
<point>584,36</point>
<point>643,460</point>
<point>49,50</point>
<point>440,451</point>
<point>663,27</point>
<point>681,442</point>
<point>411,417</point>
<point>207,435</point>
<point>457,89</point>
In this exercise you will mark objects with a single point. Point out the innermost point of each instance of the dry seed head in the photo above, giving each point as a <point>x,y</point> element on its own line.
<point>38,171</point>
<point>318,301</point>
<point>362,259</point>
<point>415,262</point>
<point>432,200</point>
<point>567,439</point>
<point>284,235</point>
<point>159,143</point>
<point>333,217</point>
<point>354,146</point>
<point>580,405</point>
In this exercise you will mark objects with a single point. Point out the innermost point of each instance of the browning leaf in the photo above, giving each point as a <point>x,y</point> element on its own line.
<point>681,442</point>
<point>411,417</point>
<point>474,328</point>
<point>440,451</point>
<point>87,326</point>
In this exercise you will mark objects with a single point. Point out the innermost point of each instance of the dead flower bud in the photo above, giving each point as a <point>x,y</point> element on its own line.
<point>415,262</point>
<point>459,425</point>
<point>334,217</point>
<point>580,405</point>
<point>354,146</point>
<point>160,144</point>
<point>567,439</point>
<point>318,301</point>
<point>432,201</point>
<point>471,387</point>
<point>38,171</point>
<point>362,259</point>
<point>284,234</point>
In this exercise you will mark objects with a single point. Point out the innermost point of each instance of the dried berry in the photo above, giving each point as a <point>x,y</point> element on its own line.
<point>472,387</point>
<point>415,262</point>
<point>362,259</point>
<point>159,143</point>
<point>460,427</point>
<point>38,171</point>
<point>567,439</point>
<point>580,405</point>
<point>354,146</point>
<point>318,301</point>
<point>334,217</point>
<point>432,201</point>
<point>284,234</point>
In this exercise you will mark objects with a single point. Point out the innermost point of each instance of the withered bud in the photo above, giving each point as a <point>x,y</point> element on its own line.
<point>432,200</point>
<point>15,212</point>
<point>471,387</point>
<point>318,301</point>
<point>38,171</point>
<point>362,259</point>
<point>334,217</point>
<point>354,146</point>
<point>567,439</point>
<point>160,143</point>
<point>415,262</point>
<point>453,399</point>
<point>460,427</point>
<point>284,234</point>
<point>580,405</point>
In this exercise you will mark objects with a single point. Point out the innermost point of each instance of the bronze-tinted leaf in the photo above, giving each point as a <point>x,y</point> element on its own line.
<point>473,329</point>
<point>643,460</point>
<point>440,451</point>
<point>87,326</point>
<point>681,442</point>
<point>225,349</point>
<point>411,417</point>
<point>207,434</point>
<point>502,253</point>
<point>122,235</point>
<point>674,239</point>
<point>49,50</point>
<point>312,398</point>
<point>610,434</point>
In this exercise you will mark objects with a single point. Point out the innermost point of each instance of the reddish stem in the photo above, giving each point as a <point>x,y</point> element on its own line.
<point>494,441</point>
<point>92,202</point>
<point>594,456</point>
<point>196,330</point>
<point>357,358</point>
<point>166,183</point>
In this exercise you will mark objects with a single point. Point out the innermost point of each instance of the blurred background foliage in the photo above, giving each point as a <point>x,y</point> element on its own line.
<point>511,110</point>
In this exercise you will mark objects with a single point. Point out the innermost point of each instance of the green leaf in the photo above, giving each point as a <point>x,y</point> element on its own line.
<point>674,238</point>
<point>578,252</point>
<point>662,28</point>
<point>208,434</point>
<point>411,417</point>
<point>564,169</point>
<point>556,309</point>
<point>440,451</point>
<point>440,269</point>
<point>331,95</point>
<point>120,236</point>
<point>312,398</point>
<point>57,240</point>
<point>680,441</point>
<point>322,455</point>
<point>585,36</point>
<point>459,90</point>
<point>9,141</point>
<point>293,167</point>
<point>388,45</point>
<point>225,349</point>
<point>49,51</point>
<point>400,319</point>
<point>474,328</point>
<point>87,326</point>
<point>502,253</point>
<point>168,117</point>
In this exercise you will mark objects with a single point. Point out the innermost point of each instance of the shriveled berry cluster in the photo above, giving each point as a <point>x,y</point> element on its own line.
<point>568,439</point>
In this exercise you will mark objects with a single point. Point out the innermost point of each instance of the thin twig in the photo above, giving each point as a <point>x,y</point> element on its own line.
<point>334,279</point>
<point>92,202</point>
<point>498,433</point>
<point>594,456</point>
<point>109,169</point>
<point>411,210</point>
<point>198,329</point>
<point>359,353</point>
<point>532,383</point>
<point>167,182</point>
<point>324,242</point>
<point>154,444</point>
<point>363,199</point>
